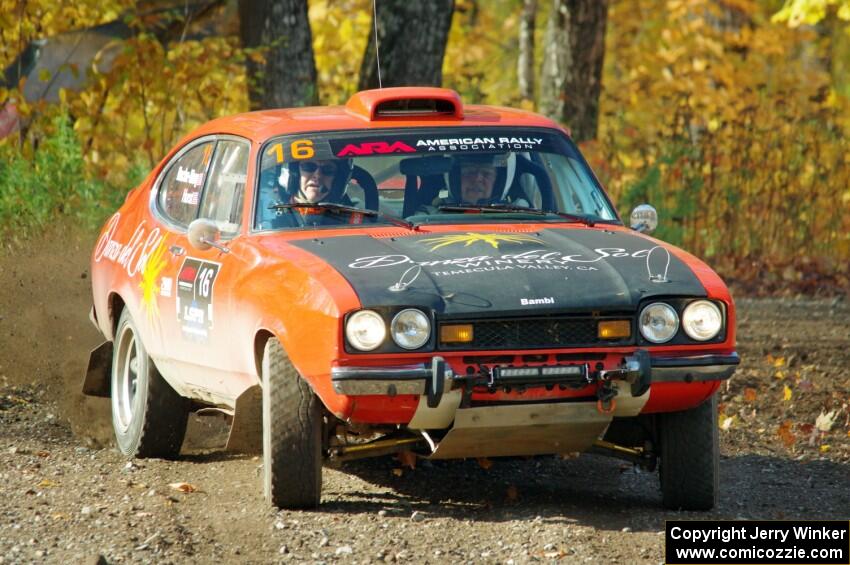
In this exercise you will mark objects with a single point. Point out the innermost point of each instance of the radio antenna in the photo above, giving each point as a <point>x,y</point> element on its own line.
<point>377,45</point>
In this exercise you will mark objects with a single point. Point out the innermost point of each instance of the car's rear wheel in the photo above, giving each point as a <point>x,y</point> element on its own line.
<point>292,434</point>
<point>149,418</point>
<point>689,468</point>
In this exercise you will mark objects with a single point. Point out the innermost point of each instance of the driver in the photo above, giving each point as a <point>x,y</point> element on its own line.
<point>315,181</point>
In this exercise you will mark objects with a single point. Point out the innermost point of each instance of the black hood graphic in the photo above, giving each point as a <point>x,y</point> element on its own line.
<point>469,272</point>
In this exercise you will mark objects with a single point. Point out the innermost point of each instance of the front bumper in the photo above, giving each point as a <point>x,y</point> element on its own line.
<point>640,369</point>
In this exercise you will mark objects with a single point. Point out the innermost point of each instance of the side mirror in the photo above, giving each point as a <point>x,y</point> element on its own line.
<point>203,234</point>
<point>644,219</point>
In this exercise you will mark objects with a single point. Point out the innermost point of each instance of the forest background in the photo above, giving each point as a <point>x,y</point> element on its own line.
<point>731,117</point>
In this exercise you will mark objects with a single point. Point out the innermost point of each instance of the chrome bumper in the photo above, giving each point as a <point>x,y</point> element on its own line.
<point>692,369</point>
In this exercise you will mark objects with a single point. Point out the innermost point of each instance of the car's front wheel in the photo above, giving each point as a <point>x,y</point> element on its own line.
<point>149,418</point>
<point>689,468</point>
<point>292,434</point>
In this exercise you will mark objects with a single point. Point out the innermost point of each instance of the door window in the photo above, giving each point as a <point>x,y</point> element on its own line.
<point>180,191</point>
<point>222,199</point>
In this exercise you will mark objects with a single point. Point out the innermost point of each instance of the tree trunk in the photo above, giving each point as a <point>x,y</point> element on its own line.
<point>412,38</point>
<point>281,29</point>
<point>525,61</point>
<point>572,66</point>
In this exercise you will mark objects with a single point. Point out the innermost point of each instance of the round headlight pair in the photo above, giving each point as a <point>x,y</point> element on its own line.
<point>366,330</point>
<point>701,320</point>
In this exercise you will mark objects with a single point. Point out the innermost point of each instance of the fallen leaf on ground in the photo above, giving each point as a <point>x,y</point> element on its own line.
<point>726,422</point>
<point>485,463</point>
<point>824,448</point>
<point>786,435</point>
<point>787,394</point>
<point>407,458</point>
<point>183,487</point>
<point>42,453</point>
<point>826,420</point>
<point>46,483</point>
<point>750,394</point>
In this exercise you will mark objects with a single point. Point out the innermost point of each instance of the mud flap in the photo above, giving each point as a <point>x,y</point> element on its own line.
<point>246,431</point>
<point>99,372</point>
<point>523,430</point>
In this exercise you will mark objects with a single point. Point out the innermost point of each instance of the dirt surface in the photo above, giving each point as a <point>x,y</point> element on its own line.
<point>69,496</point>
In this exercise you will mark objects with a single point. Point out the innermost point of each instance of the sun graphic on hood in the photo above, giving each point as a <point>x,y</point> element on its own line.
<point>468,238</point>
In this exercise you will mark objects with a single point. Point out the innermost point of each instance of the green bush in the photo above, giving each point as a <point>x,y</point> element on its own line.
<point>50,184</point>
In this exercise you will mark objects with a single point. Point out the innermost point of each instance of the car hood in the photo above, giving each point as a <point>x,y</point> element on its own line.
<point>477,272</point>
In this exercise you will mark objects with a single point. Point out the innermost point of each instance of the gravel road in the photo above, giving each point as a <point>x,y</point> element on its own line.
<point>71,497</point>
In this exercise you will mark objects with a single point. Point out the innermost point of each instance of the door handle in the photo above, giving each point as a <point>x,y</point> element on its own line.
<point>177,250</point>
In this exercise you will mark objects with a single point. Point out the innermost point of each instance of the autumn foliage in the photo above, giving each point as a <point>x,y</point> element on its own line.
<point>731,122</point>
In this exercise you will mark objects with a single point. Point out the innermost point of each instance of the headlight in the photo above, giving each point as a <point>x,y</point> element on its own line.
<point>365,330</point>
<point>411,329</point>
<point>659,322</point>
<point>702,320</point>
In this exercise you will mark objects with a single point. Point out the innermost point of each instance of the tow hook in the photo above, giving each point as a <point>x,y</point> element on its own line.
<point>605,394</point>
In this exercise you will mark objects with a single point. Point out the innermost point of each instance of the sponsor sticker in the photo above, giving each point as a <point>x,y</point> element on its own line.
<point>190,176</point>
<point>191,198</point>
<point>165,287</point>
<point>537,301</point>
<point>195,286</point>
<point>533,259</point>
<point>491,141</point>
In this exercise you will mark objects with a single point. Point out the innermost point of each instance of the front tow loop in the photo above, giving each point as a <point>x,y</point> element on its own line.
<point>605,396</point>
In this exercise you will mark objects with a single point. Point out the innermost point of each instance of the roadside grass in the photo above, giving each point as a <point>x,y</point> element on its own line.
<point>45,180</point>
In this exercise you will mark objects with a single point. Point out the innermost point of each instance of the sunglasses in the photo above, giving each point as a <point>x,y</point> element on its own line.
<point>486,172</point>
<point>309,167</point>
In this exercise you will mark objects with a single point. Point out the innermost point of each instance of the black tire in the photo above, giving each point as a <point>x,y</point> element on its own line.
<point>149,418</point>
<point>292,434</point>
<point>689,470</point>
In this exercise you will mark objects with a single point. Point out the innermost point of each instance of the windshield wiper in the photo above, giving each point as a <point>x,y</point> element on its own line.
<point>512,208</point>
<point>333,207</point>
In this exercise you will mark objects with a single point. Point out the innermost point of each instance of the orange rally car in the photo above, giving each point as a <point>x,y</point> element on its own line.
<point>404,273</point>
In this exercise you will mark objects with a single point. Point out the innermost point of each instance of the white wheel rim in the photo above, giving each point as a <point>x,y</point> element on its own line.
<point>128,375</point>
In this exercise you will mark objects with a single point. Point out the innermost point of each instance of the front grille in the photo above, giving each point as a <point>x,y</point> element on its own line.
<point>531,333</point>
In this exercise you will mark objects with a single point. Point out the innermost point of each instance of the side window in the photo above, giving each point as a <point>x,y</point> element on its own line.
<point>222,201</point>
<point>180,191</point>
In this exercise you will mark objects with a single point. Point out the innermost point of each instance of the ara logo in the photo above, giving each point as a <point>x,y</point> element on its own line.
<point>375,148</point>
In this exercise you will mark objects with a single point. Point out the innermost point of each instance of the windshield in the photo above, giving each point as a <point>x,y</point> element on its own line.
<point>437,175</point>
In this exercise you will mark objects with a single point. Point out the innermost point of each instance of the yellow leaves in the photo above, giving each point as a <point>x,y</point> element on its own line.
<point>786,395</point>
<point>799,12</point>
